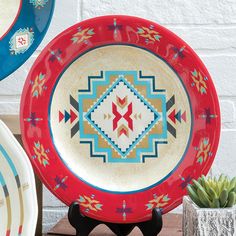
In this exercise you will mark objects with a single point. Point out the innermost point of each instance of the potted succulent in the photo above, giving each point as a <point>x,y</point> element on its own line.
<point>209,209</point>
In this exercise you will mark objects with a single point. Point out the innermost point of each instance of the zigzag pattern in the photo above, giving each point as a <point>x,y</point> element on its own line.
<point>90,78</point>
<point>177,116</point>
<point>152,79</point>
<point>156,117</point>
<point>91,150</point>
<point>173,116</point>
<point>71,116</point>
<point>92,139</point>
<point>155,147</point>
<point>67,116</point>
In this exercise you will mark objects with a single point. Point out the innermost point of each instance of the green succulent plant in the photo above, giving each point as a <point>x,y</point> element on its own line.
<point>212,192</point>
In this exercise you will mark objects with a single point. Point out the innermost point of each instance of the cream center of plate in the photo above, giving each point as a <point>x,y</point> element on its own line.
<point>8,13</point>
<point>120,118</point>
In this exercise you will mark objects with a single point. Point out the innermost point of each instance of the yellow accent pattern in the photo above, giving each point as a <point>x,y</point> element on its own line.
<point>149,34</point>
<point>203,150</point>
<point>41,154</point>
<point>82,35</point>
<point>38,85</point>
<point>158,202</point>
<point>199,81</point>
<point>90,203</point>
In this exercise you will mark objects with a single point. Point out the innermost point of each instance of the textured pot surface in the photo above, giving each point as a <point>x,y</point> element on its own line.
<point>208,222</point>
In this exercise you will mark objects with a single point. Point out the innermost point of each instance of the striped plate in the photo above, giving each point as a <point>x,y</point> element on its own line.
<point>18,202</point>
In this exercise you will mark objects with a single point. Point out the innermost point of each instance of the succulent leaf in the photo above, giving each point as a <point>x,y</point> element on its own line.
<point>203,197</point>
<point>212,192</point>
<point>194,196</point>
<point>231,200</point>
<point>216,203</point>
<point>232,183</point>
<point>223,197</point>
<point>221,178</point>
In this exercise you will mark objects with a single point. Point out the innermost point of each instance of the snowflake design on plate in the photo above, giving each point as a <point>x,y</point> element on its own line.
<point>39,3</point>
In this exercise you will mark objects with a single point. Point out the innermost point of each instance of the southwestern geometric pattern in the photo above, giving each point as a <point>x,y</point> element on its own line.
<point>90,203</point>
<point>60,183</point>
<point>21,41</point>
<point>158,202</point>
<point>124,210</point>
<point>113,109</point>
<point>126,125</point>
<point>91,140</point>
<point>41,154</point>
<point>208,116</point>
<point>71,116</point>
<point>39,3</point>
<point>174,116</point>
<point>120,123</point>
<point>203,151</point>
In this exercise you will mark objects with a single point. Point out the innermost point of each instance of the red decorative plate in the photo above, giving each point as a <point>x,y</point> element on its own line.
<point>119,114</point>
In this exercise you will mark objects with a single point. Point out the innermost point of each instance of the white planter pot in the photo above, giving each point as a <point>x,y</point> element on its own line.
<point>206,221</point>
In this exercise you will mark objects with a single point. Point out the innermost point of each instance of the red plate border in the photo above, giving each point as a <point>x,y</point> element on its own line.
<point>58,55</point>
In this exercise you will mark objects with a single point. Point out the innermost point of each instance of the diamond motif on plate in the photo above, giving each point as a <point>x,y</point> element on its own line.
<point>122,116</point>
<point>130,116</point>
<point>21,41</point>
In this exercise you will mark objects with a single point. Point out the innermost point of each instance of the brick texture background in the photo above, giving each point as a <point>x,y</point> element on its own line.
<point>208,26</point>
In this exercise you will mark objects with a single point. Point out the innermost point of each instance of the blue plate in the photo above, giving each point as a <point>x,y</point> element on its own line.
<point>25,34</point>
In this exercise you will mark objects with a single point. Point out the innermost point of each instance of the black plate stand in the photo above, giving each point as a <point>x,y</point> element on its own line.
<point>84,225</point>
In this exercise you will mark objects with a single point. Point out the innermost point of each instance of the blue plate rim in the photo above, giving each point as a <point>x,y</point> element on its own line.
<point>37,14</point>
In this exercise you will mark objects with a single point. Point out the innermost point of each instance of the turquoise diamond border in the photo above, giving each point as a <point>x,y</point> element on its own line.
<point>148,82</point>
<point>135,142</point>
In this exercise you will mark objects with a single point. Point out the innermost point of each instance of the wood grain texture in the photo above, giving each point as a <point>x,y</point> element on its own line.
<point>13,122</point>
<point>172,225</point>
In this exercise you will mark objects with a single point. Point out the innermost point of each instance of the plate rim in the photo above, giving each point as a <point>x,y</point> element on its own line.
<point>191,128</point>
<point>22,58</point>
<point>192,52</point>
<point>22,160</point>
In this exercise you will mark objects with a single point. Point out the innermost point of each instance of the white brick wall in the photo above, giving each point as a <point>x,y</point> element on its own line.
<point>209,26</point>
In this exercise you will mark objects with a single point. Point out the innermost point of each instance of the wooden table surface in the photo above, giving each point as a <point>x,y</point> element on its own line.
<point>172,226</point>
